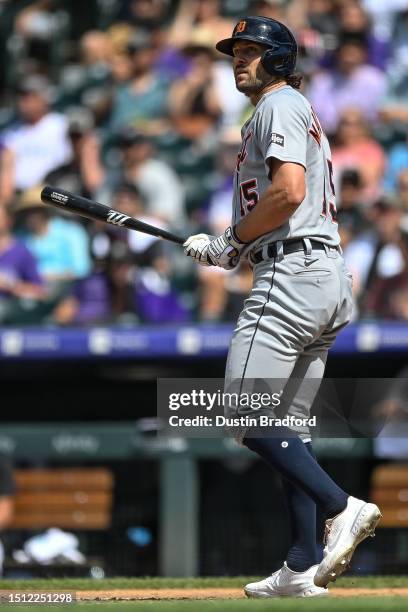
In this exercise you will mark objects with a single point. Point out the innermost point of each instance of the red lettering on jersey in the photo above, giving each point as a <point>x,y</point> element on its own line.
<point>316,129</point>
<point>242,155</point>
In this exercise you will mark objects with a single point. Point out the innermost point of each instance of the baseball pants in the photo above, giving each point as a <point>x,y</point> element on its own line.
<point>297,305</point>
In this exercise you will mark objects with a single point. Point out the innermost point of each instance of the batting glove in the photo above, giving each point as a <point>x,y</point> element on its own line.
<point>223,251</point>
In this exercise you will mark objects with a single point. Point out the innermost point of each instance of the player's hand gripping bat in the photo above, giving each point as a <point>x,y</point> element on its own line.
<point>94,210</point>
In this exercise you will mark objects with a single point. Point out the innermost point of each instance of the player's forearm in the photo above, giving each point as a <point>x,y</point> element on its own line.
<point>274,208</point>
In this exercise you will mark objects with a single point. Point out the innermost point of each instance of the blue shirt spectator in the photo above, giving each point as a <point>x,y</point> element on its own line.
<point>61,247</point>
<point>397,163</point>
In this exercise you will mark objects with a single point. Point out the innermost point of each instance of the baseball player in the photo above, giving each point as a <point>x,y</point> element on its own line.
<point>284,223</point>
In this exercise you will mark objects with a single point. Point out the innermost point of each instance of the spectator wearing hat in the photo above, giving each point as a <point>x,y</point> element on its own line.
<point>39,140</point>
<point>157,182</point>
<point>60,246</point>
<point>352,83</point>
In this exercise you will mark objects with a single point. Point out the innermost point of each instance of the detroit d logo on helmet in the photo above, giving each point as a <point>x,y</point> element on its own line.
<point>241,25</point>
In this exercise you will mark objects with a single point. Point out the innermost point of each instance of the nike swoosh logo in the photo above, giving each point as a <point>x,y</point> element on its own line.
<point>308,262</point>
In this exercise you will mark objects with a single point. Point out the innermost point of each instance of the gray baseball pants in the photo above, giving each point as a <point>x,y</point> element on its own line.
<point>297,305</point>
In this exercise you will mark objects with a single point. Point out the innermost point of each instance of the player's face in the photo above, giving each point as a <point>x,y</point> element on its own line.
<point>250,76</point>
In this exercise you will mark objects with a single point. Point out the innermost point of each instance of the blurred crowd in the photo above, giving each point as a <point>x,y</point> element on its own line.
<point>127,102</point>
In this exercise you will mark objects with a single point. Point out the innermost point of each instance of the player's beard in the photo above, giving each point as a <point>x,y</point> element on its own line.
<point>254,83</point>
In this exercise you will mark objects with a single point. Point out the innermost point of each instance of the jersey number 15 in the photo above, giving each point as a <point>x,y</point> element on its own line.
<point>248,195</point>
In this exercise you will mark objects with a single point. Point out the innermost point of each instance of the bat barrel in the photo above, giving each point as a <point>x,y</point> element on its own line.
<point>74,204</point>
<point>95,210</point>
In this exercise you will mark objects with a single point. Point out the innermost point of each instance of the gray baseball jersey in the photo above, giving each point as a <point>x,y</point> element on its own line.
<point>284,126</point>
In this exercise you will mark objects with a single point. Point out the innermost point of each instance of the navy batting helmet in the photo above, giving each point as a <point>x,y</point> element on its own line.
<point>280,57</point>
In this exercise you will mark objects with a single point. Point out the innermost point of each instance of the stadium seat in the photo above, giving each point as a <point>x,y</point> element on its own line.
<point>389,489</point>
<point>74,498</point>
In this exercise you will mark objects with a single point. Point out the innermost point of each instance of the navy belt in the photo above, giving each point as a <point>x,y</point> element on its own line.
<point>290,246</point>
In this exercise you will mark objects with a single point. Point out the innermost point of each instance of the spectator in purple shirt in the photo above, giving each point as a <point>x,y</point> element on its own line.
<point>20,280</point>
<point>353,82</point>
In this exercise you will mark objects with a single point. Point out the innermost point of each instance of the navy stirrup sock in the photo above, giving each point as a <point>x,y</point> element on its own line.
<point>302,553</point>
<point>290,457</point>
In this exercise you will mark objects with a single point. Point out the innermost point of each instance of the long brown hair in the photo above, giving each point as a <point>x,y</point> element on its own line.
<point>294,80</point>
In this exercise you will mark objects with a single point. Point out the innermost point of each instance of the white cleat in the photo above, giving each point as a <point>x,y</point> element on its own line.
<point>344,533</point>
<point>286,583</point>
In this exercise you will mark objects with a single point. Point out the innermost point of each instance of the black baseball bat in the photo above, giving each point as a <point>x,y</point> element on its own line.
<point>99,212</point>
